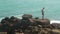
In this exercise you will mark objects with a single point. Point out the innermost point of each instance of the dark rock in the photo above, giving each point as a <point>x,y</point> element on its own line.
<point>26,16</point>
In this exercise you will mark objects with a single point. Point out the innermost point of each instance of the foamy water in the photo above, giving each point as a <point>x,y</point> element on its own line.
<point>54,21</point>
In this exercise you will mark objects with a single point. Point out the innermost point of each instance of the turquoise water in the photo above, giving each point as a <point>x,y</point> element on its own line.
<point>19,7</point>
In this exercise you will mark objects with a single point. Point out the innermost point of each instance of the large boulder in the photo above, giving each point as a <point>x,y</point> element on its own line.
<point>26,16</point>
<point>43,22</point>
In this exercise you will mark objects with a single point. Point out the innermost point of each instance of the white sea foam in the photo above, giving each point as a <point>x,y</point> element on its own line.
<point>54,21</point>
<point>1,19</point>
<point>18,16</point>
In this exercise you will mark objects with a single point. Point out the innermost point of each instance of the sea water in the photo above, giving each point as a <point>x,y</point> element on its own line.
<point>19,7</point>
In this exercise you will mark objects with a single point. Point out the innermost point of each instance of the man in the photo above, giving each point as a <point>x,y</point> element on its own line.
<point>42,13</point>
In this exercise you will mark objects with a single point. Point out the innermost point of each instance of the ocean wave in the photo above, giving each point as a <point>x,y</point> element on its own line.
<point>18,16</point>
<point>54,21</point>
<point>1,19</point>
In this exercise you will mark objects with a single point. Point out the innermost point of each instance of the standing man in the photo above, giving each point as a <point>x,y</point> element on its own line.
<point>42,13</point>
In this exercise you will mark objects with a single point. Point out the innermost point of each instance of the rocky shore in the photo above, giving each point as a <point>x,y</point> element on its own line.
<point>28,25</point>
